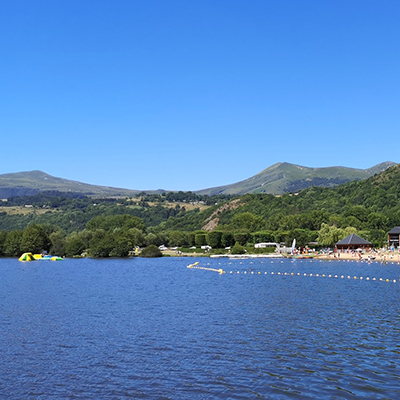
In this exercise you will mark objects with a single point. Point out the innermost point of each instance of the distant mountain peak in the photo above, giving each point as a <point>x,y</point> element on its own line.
<point>31,182</point>
<point>285,177</point>
<point>281,177</point>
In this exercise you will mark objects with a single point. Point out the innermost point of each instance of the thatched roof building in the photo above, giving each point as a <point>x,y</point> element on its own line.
<point>353,242</point>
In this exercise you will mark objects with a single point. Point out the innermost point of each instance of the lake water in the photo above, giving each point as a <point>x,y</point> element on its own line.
<point>154,329</point>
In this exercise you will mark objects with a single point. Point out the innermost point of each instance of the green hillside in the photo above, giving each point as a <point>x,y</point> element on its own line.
<point>284,178</point>
<point>32,182</point>
<point>354,203</point>
<point>277,179</point>
<point>371,206</point>
<point>114,226</point>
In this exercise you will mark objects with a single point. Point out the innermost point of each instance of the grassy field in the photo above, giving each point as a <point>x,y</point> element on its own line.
<point>187,206</point>
<point>21,210</point>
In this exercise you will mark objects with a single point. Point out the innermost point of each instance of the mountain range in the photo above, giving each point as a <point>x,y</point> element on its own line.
<point>285,178</point>
<point>32,182</point>
<point>277,179</point>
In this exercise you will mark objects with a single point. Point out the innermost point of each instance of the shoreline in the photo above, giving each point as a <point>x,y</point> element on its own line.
<point>383,257</point>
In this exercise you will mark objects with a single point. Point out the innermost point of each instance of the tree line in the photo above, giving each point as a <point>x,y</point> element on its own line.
<point>113,227</point>
<point>120,235</point>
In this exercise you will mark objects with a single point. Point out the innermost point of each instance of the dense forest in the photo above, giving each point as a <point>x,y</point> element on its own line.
<point>71,224</point>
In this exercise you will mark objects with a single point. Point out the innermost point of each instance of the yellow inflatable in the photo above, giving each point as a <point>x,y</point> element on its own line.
<point>27,257</point>
<point>33,257</point>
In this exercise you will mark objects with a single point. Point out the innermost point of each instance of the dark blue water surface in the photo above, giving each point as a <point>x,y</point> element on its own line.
<point>153,329</point>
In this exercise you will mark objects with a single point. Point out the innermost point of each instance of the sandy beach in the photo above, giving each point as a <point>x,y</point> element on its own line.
<point>381,256</point>
<point>378,256</point>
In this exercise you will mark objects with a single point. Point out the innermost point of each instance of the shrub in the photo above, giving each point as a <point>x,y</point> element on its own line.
<point>227,239</point>
<point>265,250</point>
<point>241,237</point>
<point>74,246</point>
<point>237,249</point>
<point>200,239</point>
<point>214,239</point>
<point>151,251</point>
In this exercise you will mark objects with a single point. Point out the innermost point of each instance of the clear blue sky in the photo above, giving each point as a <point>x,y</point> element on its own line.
<point>190,94</point>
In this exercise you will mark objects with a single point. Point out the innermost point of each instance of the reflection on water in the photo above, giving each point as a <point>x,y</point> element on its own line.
<point>154,329</point>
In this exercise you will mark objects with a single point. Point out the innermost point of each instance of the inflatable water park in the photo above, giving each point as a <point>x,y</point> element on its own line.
<point>39,257</point>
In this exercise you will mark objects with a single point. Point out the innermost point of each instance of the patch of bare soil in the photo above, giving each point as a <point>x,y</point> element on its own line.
<point>213,220</point>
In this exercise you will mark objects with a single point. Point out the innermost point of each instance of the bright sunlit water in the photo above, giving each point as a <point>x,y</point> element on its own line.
<point>153,329</point>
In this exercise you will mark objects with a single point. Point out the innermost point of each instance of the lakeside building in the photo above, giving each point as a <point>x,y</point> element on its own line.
<point>265,244</point>
<point>353,242</point>
<point>394,237</point>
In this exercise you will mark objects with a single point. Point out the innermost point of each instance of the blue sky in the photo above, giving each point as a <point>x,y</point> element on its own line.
<point>185,95</point>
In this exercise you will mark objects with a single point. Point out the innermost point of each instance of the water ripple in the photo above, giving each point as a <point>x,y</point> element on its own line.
<point>152,329</point>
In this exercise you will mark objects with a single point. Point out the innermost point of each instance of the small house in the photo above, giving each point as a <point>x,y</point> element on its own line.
<point>394,237</point>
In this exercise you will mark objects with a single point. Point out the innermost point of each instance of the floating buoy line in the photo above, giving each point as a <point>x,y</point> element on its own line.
<point>195,266</point>
<point>273,273</point>
<point>314,275</point>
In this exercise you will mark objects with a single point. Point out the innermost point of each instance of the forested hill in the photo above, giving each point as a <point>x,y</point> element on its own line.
<point>373,203</point>
<point>277,179</point>
<point>32,182</point>
<point>114,226</point>
<point>284,178</point>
